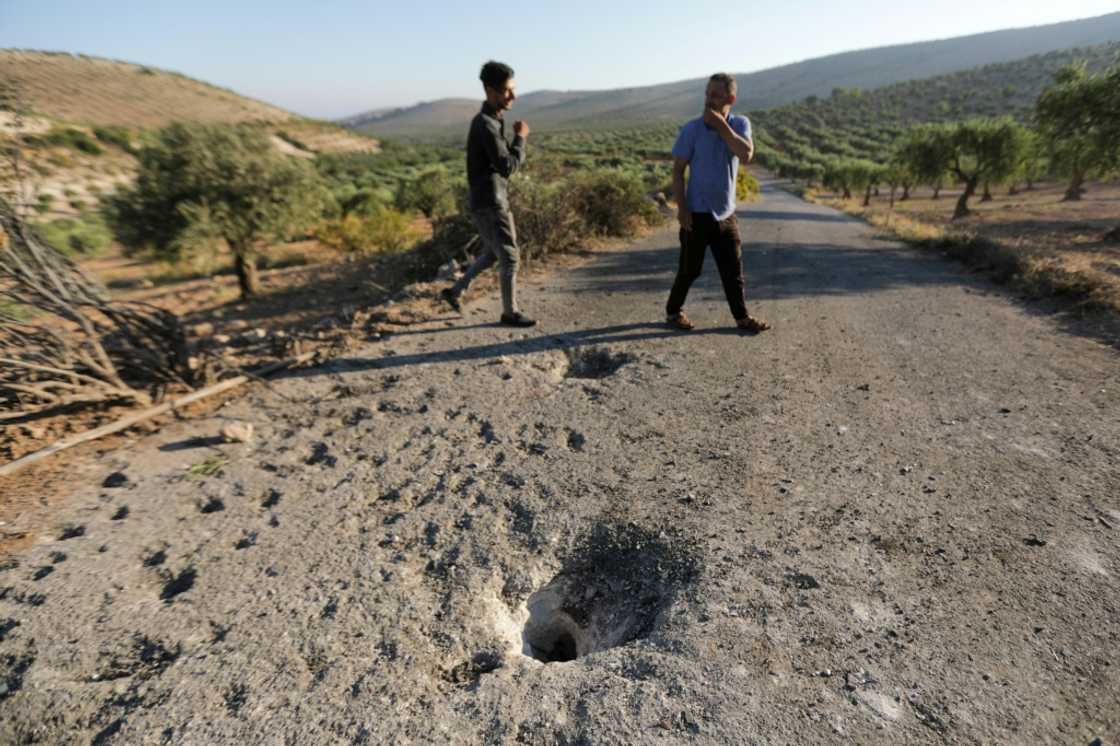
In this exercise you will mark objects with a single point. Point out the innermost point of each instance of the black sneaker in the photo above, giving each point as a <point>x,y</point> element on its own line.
<point>517,319</point>
<point>451,298</point>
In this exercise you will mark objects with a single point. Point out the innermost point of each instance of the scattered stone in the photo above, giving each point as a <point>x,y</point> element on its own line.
<point>237,432</point>
<point>72,532</point>
<point>271,498</point>
<point>212,505</point>
<point>115,480</point>
<point>1034,541</point>
<point>320,454</point>
<point>176,584</point>
<point>204,329</point>
<point>802,581</point>
<point>121,514</point>
<point>448,272</point>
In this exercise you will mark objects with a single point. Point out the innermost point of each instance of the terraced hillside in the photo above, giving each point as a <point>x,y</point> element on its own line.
<point>864,124</point>
<point>93,91</point>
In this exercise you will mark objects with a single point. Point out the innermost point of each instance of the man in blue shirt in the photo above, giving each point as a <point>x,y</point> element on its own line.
<point>710,147</point>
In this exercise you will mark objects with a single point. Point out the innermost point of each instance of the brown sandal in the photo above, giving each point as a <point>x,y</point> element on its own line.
<point>680,322</point>
<point>751,325</point>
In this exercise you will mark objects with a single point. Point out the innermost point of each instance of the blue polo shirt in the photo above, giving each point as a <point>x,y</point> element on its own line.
<point>712,167</point>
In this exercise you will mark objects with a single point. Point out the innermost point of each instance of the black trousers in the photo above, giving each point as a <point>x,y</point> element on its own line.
<point>723,237</point>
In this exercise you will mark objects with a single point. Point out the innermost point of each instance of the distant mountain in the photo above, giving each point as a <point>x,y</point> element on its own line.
<point>673,102</point>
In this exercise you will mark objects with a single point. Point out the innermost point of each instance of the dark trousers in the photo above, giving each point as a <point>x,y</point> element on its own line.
<point>723,237</point>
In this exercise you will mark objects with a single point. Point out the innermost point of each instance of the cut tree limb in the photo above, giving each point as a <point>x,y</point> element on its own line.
<point>129,421</point>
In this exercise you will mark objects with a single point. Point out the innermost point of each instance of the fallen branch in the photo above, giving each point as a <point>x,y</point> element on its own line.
<point>127,422</point>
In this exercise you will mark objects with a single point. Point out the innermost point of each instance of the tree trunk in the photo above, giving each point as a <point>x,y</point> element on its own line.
<point>987,195</point>
<point>1074,192</point>
<point>1012,190</point>
<point>962,203</point>
<point>247,277</point>
<point>905,193</point>
<point>847,193</point>
<point>937,191</point>
<point>892,197</point>
<point>867,197</point>
<point>876,191</point>
<point>1030,185</point>
<point>1113,235</point>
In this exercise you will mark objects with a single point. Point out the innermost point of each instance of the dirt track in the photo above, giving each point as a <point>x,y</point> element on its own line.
<point>895,518</point>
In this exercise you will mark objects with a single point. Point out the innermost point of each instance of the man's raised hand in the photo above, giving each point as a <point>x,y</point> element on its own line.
<point>713,118</point>
<point>520,128</point>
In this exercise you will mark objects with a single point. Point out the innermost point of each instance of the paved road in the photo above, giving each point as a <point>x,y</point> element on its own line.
<point>894,518</point>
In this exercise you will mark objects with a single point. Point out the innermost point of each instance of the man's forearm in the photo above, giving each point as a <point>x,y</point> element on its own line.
<point>739,145</point>
<point>679,193</point>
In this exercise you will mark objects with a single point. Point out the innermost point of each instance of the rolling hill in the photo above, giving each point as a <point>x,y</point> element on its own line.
<point>865,124</point>
<point>84,90</point>
<point>672,102</point>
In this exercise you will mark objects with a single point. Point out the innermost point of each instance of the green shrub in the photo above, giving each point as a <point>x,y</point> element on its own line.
<point>114,134</point>
<point>612,203</point>
<point>747,188</point>
<point>386,230</point>
<point>431,193</point>
<point>43,202</point>
<point>547,218</point>
<point>78,204</point>
<point>87,234</point>
<point>363,202</point>
<point>67,137</point>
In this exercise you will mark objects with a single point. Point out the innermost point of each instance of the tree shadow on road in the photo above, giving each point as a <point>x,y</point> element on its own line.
<point>775,271</point>
<point>606,335</point>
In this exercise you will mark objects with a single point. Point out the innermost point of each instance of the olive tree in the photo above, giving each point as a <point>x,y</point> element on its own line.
<point>977,151</point>
<point>201,186</point>
<point>1077,116</point>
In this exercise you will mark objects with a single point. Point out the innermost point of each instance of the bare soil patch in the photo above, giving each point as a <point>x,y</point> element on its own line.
<point>1061,242</point>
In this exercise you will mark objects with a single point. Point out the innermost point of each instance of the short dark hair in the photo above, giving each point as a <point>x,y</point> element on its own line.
<point>495,74</point>
<point>728,81</point>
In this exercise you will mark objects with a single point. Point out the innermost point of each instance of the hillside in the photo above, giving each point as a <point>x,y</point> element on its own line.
<point>87,115</point>
<point>864,124</point>
<point>671,102</point>
<point>85,90</point>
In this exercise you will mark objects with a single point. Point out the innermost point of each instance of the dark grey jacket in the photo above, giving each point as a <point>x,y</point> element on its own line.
<point>491,160</point>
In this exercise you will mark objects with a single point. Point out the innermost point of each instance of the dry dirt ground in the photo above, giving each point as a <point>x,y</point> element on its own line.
<point>894,518</point>
<point>1066,237</point>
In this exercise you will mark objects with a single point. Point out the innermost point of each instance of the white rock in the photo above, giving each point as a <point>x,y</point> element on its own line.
<point>237,432</point>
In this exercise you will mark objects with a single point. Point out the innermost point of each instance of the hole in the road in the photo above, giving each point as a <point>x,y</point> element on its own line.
<point>612,591</point>
<point>595,362</point>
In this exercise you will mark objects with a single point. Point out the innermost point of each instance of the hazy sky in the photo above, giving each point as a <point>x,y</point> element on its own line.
<point>332,58</point>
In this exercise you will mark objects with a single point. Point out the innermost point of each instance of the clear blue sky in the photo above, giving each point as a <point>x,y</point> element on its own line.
<point>332,58</point>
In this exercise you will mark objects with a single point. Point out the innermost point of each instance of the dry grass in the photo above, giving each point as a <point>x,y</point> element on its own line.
<point>1033,240</point>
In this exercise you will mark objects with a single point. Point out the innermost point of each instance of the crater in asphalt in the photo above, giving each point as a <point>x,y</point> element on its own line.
<point>595,362</point>
<point>612,591</point>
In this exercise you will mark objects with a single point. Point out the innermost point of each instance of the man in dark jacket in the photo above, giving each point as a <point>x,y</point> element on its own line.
<point>491,160</point>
